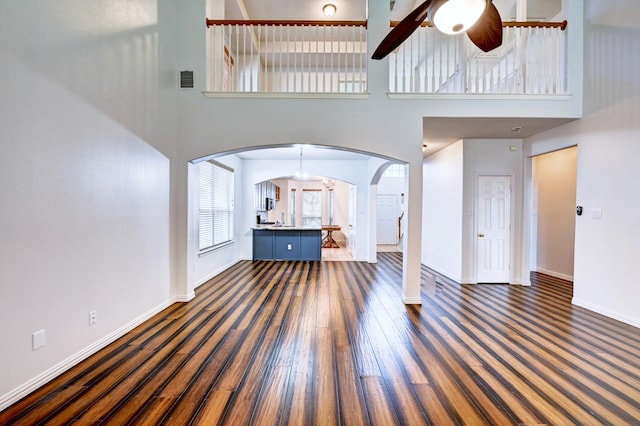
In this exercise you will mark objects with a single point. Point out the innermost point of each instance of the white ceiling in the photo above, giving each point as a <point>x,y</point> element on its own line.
<point>442,131</point>
<point>438,132</point>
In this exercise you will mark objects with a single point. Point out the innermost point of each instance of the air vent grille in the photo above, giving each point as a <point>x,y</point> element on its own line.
<point>186,79</point>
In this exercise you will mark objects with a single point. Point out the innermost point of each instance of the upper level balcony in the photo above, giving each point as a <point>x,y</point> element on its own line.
<point>275,51</point>
<point>331,57</point>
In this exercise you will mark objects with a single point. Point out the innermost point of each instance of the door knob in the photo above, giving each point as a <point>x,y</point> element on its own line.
<point>480,235</point>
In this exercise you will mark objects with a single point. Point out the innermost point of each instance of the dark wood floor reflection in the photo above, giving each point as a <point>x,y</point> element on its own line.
<point>331,343</point>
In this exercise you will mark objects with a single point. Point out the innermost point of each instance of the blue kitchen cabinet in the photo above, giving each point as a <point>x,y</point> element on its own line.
<point>287,244</point>
<point>310,245</point>
<point>263,244</point>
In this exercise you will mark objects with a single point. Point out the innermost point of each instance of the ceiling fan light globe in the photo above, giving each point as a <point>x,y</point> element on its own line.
<point>456,16</point>
<point>329,9</point>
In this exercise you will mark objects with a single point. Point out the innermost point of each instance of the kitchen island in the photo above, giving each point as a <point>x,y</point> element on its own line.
<point>273,242</point>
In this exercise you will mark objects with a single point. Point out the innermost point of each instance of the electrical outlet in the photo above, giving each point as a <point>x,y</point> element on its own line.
<point>38,339</point>
<point>596,213</point>
<point>93,317</point>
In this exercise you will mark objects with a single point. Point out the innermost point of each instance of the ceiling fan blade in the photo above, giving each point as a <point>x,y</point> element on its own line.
<point>402,31</point>
<point>487,32</point>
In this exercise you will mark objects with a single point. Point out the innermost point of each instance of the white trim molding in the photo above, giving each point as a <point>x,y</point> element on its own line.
<point>412,301</point>
<point>444,273</point>
<point>183,298</point>
<point>216,272</point>
<point>555,274</point>
<point>607,313</point>
<point>53,372</point>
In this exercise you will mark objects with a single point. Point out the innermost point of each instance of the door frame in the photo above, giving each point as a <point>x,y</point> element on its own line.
<point>532,207</point>
<point>511,222</point>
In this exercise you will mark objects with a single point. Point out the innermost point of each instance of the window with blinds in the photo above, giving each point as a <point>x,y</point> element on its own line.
<point>216,205</point>
<point>311,207</point>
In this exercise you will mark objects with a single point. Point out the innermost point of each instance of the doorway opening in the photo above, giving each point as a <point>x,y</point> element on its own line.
<point>554,177</point>
<point>316,201</point>
<point>390,209</point>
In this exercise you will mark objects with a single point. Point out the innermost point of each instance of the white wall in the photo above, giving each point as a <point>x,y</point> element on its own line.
<point>492,157</point>
<point>606,249</point>
<point>554,212</point>
<point>282,205</point>
<point>88,121</point>
<point>442,211</point>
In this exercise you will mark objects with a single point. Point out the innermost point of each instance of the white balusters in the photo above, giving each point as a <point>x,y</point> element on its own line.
<point>531,60</point>
<point>289,57</point>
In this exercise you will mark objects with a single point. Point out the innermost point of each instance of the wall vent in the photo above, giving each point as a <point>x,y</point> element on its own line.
<point>186,79</point>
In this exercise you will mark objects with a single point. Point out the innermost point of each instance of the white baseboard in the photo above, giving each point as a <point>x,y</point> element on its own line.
<point>216,272</point>
<point>522,283</point>
<point>555,274</point>
<point>53,372</point>
<point>443,272</point>
<point>412,300</point>
<point>607,312</point>
<point>184,297</point>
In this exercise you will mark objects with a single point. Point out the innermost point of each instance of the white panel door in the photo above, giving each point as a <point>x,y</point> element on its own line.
<point>387,226</point>
<point>494,229</point>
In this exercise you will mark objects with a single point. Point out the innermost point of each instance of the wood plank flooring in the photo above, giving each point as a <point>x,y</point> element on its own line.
<point>340,254</point>
<point>331,343</point>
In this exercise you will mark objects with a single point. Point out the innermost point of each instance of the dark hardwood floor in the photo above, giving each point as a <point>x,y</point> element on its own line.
<point>331,343</point>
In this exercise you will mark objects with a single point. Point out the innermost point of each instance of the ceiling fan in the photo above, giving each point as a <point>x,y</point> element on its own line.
<point>478,18</point>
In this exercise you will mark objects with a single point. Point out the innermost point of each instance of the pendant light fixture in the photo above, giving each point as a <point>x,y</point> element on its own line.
<point>456,16</point>
<point>300,173</point>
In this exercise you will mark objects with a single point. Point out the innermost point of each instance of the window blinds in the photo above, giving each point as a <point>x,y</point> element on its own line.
<point>216,205</point>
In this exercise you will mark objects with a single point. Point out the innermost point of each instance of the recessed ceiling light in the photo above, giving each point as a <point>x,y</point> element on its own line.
<point>516,129</point>
<point>329,9</point>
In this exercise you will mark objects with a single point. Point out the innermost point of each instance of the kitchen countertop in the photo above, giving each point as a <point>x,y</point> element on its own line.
<point>287,228</point>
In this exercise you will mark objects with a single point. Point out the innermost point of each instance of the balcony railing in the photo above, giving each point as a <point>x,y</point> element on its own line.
<point>331,57</point>
<point>531,60</point>
<point>288,56</point>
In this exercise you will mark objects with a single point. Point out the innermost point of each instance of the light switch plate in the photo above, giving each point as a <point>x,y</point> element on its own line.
<point>38,339</point>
